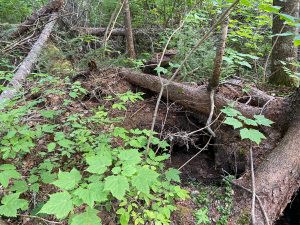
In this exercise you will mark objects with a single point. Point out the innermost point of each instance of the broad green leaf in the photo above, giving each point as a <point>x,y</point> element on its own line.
<point>144,179</point>
<point>93,193</point>
<point>51,146</point>
<point>252,134</point>
<point>130,157</point>
<point>117,185</point>
<point>20,186</point>
<point>68,180</point>
<point>98,163</point>
<point>11,203</point>
<point>248,121</point>
<point>7,172</point>
<point>244,63</point>
<point>160,70</point>
<point>230,111</point>
<point>48,177</point>
<point>173,175</point>
<point>59,204</point>
<point>128,170</point>
<point>287,17</point>
<point>262,120</point>
<point>233,122</point>
<point>89,217</point>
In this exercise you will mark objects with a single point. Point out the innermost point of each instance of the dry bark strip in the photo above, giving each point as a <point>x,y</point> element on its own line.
<point>53,6</point>
<point>197,98</point>
<point>28,63</point>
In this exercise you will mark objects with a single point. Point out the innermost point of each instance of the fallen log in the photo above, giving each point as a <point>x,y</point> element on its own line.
<point>277,178</point>
<point>115,32</point>
<point>53,6</point>
<point>26,66</point>
<point>197,98</point>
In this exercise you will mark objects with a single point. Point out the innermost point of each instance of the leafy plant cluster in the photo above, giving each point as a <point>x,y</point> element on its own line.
<point>90,164</point>
<point>248,128</point>
<point>204,200</point>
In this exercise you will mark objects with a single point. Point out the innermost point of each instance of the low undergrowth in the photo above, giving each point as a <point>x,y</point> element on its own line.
<point>85,161</point>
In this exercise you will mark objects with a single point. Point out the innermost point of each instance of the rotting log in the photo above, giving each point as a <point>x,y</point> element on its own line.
<point>197,98</point>
<point>115,32</point>
<point>26,66</point>
<point>277,177</point>
<point>53,6</point>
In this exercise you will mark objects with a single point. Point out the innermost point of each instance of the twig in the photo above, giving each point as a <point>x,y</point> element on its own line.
<point>212,109</point>
<point>194,156</point>
<point>40,218</point>
<point>253,188</point>
<point>257,197</point>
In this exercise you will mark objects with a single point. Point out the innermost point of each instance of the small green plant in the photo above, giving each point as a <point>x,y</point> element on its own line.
<point>246,126</point>
<point>202,216</point>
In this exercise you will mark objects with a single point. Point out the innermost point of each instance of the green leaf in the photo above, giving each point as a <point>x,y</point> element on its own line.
<point>117,185</point>
<point>230,111</point>
<point>89,217</point>
<point>144,179</point>
<point>173,175</point>
<point>160,70</point>
<point>51,146</point>
<point>7,172</point>
<point>128,170</point>
<point>262,120</point>
<point>68,180</point>
<point>297,40</point>
<point>252,134</point>
<point>11,203</point>
<point>233,122</point>
<point>93,193</point>
<point>270,8</point>
<point>98,163</point>
<point>130,157</point>
<point>248,121</point>
<point>20,186</point>
<point>59,204</point>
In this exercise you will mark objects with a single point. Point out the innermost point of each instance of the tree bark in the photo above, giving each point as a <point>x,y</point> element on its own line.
<point>284,48</point>
<point>116,31</point>
<point>277,178</point>
<point>28,63</point>
<point>128,30</point>
<point>53,6</point>
<point>197,98</point>
<point>214,81</point>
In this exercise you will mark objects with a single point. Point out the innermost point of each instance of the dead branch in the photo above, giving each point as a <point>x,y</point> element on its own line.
<point>28,63</point>
<point>53,6</point>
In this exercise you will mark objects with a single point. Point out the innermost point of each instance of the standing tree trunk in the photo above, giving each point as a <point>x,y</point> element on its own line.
<point>128,30</point>
<point>284,48</point>
<point>214,80</point>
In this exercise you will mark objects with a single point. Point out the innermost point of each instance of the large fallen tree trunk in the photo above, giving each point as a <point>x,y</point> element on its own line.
<point>53,6</point>
<point>197,98</point>
<point>28,63</point>
<point>277,178</point>
<point>115,32</point>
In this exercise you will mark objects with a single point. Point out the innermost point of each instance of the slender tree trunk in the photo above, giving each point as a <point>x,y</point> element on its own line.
<point>28,63</point>
<point>284,49</point>
<point>128,30</point>
<point>214,81</point>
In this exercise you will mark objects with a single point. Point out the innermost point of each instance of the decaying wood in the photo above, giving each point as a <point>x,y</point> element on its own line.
<point>28,63</point>
<point>197,98</point>
<point>114,32</point>
<point>2,222</point>
<point>53,6</point>
<point>277,178</point>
